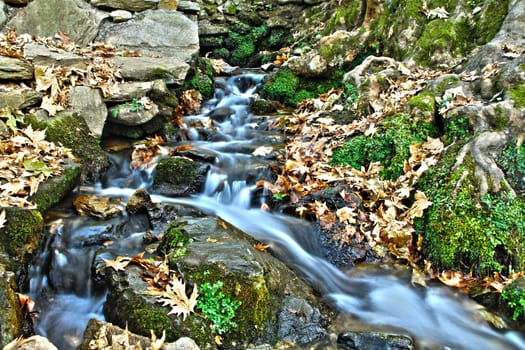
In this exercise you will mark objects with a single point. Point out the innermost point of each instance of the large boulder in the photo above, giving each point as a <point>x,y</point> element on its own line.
<point>210,253</point>
<point>163,33</point>
<point>88,104</point>
<point>15,69</point>
<point>76,18</point>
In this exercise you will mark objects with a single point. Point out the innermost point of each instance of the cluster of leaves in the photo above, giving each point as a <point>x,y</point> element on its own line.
<point>217,307</point>
<point>392,205</point>
<point>57,81</point>
<point>163,283</point>
<point>27,159</point>
<point>106,339</point>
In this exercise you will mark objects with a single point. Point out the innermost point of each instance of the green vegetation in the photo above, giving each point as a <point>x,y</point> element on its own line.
<point>201,78</point>
<point>174,242</point>
<point>244,44</point>
<point>134,106</point>
<point>21,233</point>
<point>513,296</point>
<point>390,146</point>
<point>175,170</point>
<point>217,307</point>
<point>457,129</point>
<point>517,93</point>
<point>512,162</point>
<point>465,232</point>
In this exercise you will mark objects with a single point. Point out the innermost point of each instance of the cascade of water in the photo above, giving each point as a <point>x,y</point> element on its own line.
<point>434,314</point>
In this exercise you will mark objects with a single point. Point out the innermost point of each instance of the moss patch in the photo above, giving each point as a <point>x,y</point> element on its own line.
<point>175,170</point>
<point>465,232</point>
<point>72,131</point>
<point>517,93</point>
<point>390,146</point>
<point>174,242</point>
<point>21,233</point>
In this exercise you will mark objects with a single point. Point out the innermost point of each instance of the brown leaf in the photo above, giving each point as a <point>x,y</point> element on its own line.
<point>119,263</point>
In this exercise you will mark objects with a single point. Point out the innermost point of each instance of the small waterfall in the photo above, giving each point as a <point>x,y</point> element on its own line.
<point>62,278</point>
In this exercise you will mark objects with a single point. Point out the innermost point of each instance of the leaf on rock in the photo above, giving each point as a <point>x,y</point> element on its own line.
<point>119,263</point>
<point>174,296</point>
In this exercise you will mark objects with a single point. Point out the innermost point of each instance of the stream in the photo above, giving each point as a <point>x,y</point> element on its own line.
<point>61,278</point>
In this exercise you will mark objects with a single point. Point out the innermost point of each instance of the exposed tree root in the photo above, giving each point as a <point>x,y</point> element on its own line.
<point>482,149</point>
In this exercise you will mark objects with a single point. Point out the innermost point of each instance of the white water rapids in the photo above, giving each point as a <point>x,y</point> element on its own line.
<point>430,315</point>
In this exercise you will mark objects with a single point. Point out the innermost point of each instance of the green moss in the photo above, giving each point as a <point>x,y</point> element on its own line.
<point>174,242</point>
<point>488,22</point>
<point>282,86</point>
<point>456,129</point>
<point>250,291</point>
<point>72,131</point>
<point>243,45</point>
<point>424,102</point>
<point>54,189</point>
<point>145,317</point>
<point>517,93</point>
<point>175,170</point>
<point>22,232</point>
<point>512,162</point>
<point>346,16</point>
<point>390,146</point>
<point>465,232</point>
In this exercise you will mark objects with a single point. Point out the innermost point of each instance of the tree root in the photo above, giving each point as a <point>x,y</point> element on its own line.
<point>483,149</point>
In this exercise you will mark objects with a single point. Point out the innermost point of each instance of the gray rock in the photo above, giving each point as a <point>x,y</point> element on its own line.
<point>310,65</point>
<point>188,6</point>
<point>44,56</point>
<point>370,340</point>
<point>121,16</point>
<point>299,322</point>
<point>19,98</point>
<point>130,90</point>
<point>155,33</point>
<point>76,18</point>
<point>128,5</point>
<point>131,115</point>
<point>171,70</point>
<point>88,103</point>
<point>15,69</point>
<point>3,13</point>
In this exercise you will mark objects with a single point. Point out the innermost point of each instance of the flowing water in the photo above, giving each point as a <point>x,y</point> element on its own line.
<point>61,280</point>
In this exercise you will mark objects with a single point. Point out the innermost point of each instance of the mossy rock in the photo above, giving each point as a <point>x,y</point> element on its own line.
<point>72,131</point>
<point>128,305</point>
<point>56,188</point>
<point>176,176</point>
<point>512,300</point>
<point>218,252</point>
<point>21,235</point>
<point>11,318</point>
<point>463,231</point>
<point>517,94</point>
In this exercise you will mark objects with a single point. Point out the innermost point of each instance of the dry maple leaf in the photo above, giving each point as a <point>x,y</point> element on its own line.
<point>175,297</point>
<point>119,263</point>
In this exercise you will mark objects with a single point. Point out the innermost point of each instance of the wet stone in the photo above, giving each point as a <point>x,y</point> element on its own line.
<point>101,207</point>
<point>374,340</point>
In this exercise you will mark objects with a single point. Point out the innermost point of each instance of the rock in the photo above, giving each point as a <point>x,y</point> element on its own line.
<point>11,318</point>
<point>140,201</point>
<point>72,131</point>
<point>171,70</point>
<point>162,33</point>
<point>127,91</point>
<point>121,16</point>
<point>3,13</point>
<point>188,6</point>
<point>101,335</point>
<point>76,18</point>
<point>20,98</point>
<point>101,207</point>
<point>127,5</point>
<point>221,114</point>
<point>310,65</point>
<point>87,102</point>
<point>212,251</point>
<point>168,4</point>
<point>177,176</point>
<point>134,113</point>
<point>15,69</point>
<point>44,56</point>
<point>356,340</point>
<point>35,342</point>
